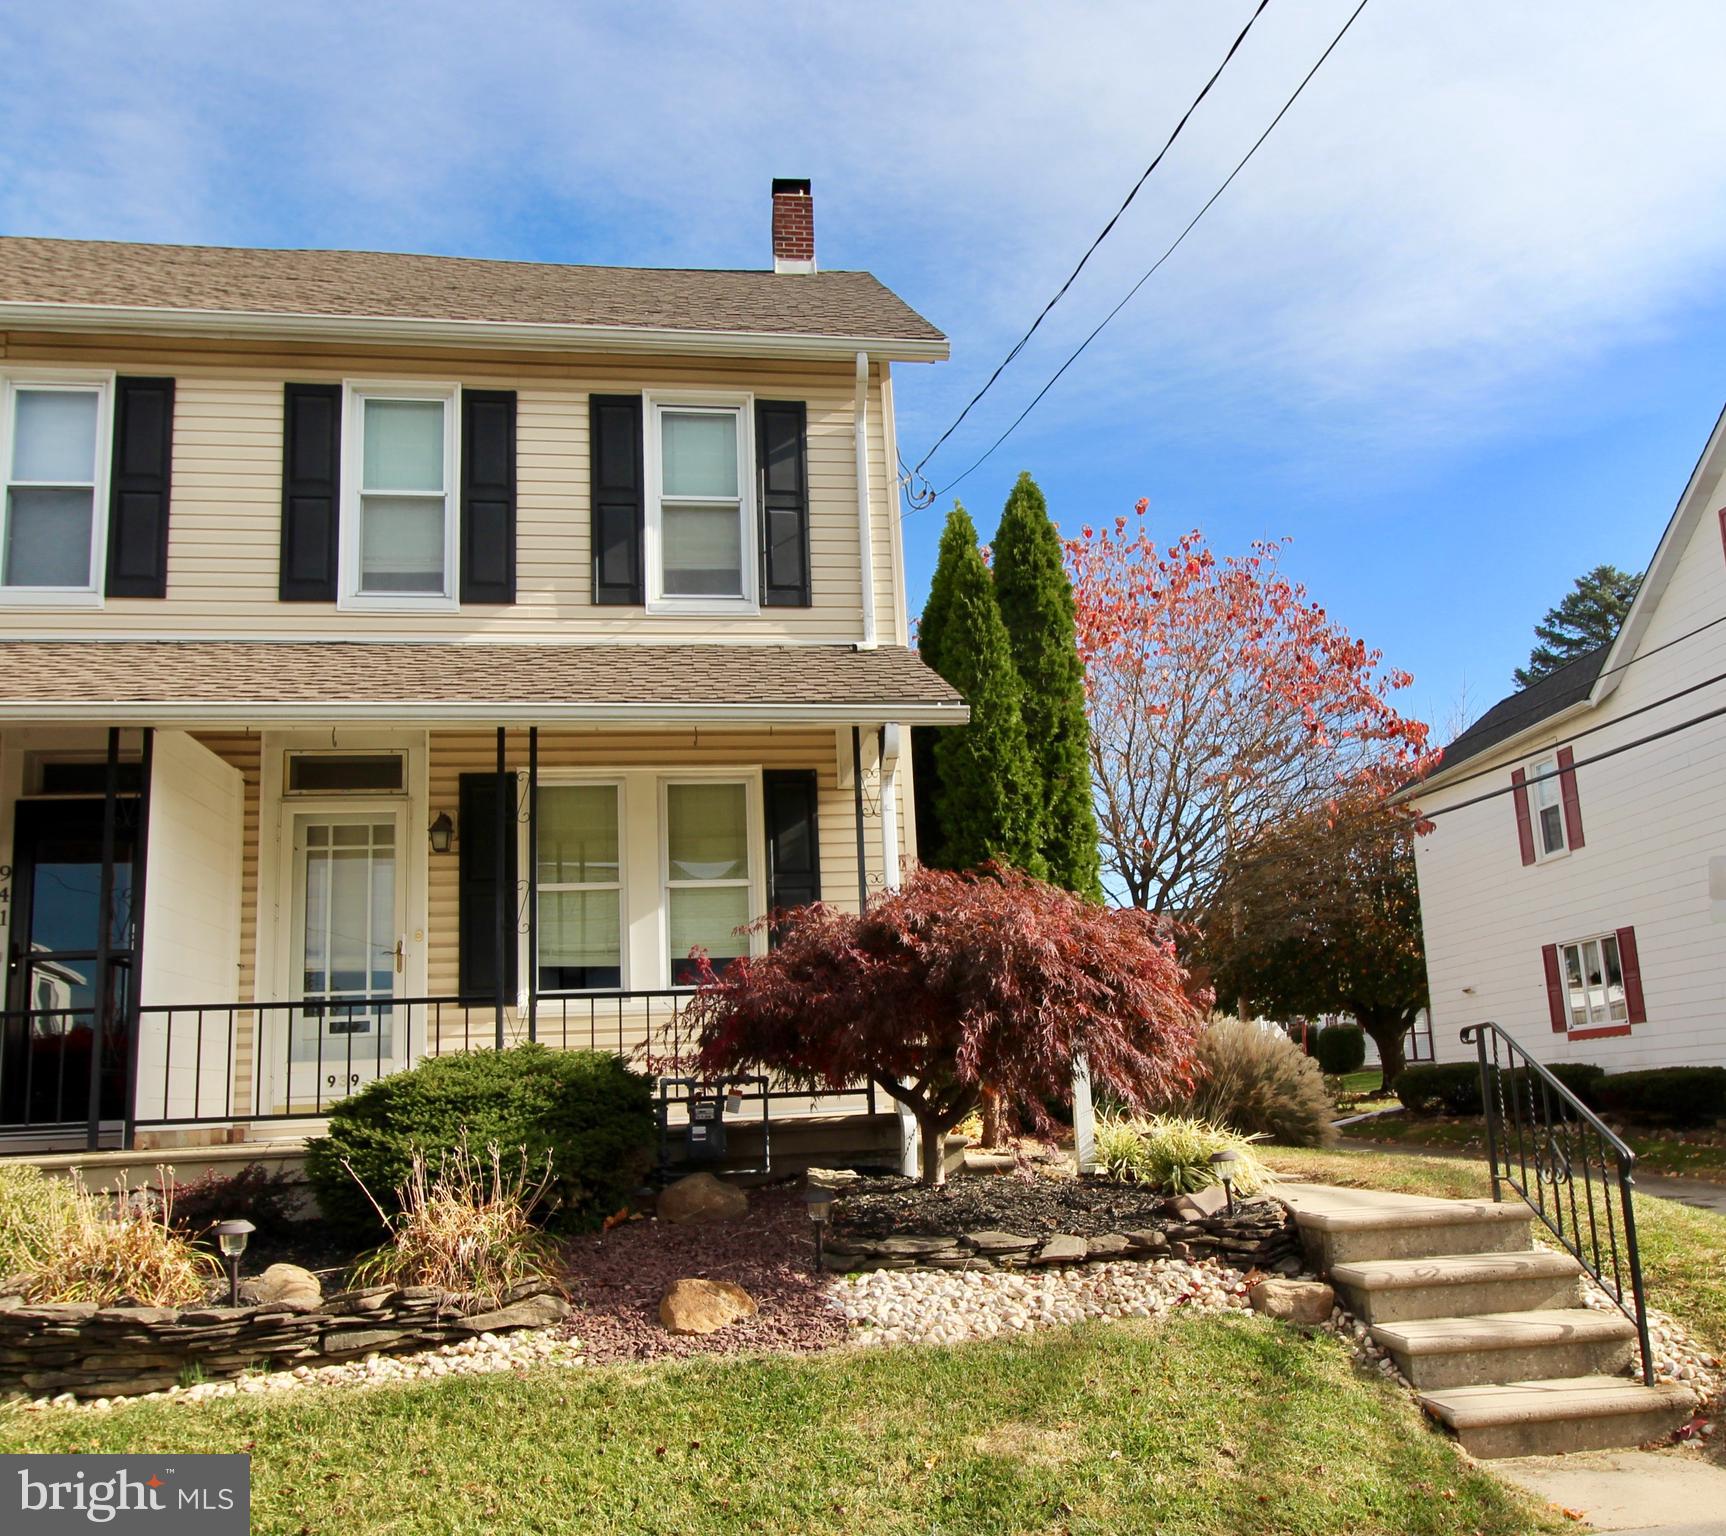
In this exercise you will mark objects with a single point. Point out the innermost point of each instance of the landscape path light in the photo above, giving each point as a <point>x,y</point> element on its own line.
<point>819,1199</point>
<point>233,1236</point>
<point>1223,1165</point>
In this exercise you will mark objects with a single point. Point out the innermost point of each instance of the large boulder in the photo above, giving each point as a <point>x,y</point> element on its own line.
<point>1307,1302</point>
<point>704,1306</point>
<point>298,1288</point>
<point>700,1197</point>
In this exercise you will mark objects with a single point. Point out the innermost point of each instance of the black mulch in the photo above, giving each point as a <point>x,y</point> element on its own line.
<point>1028,1205</point>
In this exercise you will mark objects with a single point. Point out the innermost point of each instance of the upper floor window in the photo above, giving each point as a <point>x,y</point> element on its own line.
<point>700,513</point>
<point>53,454</point>
<point>399,526</point>
<point>1544,784</point>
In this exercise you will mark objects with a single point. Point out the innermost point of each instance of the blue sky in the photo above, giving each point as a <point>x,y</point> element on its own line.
<point>1457,330</point>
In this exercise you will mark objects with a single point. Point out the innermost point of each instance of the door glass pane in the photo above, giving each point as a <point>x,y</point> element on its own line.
<point>315,974</point>
<point>703,551</point>
<point>700,453</point>
<point>708,917</point>
<point>347,889</point>
<point>401,543</point>
<point>55,436</point>
<point>577,834</point>
<point>707,835</point>
<point>404,445</point>
<point>580,939</point>
<point>48,537</point>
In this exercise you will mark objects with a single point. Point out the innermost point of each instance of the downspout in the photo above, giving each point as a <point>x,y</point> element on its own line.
<point>888,757</point>
<point>865,534</point>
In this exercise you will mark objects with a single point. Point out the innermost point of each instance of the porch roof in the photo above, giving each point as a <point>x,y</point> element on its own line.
<point>168,682</point>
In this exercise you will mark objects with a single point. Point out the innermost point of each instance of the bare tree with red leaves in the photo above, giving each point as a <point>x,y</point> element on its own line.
<point>1222,702</point>
<point>951,982</point>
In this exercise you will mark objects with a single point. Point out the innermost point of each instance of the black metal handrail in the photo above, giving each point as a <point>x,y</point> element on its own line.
<point>1568,1166</point>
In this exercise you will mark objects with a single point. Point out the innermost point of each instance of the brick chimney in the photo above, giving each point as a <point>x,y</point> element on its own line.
<point>793,225</point>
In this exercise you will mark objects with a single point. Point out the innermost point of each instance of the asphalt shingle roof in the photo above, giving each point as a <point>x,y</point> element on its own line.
<point>1527,707</point>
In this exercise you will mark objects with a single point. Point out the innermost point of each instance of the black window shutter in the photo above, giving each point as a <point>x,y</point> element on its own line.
<point>781,446</point>
<point>487,496</point>
<point>138,496</point>
<point>311,492</point>
<point>476,835</point>
<point>791,801</point>
<point>617,491</point>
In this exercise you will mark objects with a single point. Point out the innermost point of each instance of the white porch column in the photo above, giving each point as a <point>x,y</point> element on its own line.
<point>889,756</point>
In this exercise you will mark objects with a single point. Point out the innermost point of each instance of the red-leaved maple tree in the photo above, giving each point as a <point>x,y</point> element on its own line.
<point>1222,702</point>
<point>951,982</point>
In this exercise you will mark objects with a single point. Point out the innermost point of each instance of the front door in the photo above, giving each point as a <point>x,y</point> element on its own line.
<point>51,995</point>
<point>347,950</point>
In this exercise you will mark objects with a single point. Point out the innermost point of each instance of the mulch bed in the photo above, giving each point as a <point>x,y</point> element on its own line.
<point>616,1279</point>
<point>1029,1205</point>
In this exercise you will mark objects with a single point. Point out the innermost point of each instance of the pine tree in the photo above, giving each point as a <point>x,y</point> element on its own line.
<point>1587,619</point>
<point>1036,601</point>
<point>982,784</point>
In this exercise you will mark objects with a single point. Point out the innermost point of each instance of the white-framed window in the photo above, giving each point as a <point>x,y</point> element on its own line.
<point>709,837</point>
<point>54,451</point>
<point>1546,799</point>
<point>399,478</point>
<point>701,504</point>
<point>1593,978</point>
<point>579,865</point>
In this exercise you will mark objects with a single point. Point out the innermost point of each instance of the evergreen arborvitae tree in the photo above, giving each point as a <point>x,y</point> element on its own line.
<point>984,789</point>
<point>1036,601</point>
<point>1587,619</point>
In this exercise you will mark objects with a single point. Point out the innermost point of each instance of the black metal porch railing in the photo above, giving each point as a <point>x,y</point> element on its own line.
<point>1569,1167</point>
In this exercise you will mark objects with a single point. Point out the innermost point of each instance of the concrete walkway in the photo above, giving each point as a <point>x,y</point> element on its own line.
<point>1629,1493</point>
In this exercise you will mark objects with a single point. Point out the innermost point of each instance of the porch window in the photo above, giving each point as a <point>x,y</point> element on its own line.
<point>53,513</point>
<point>709,878</point>
<point>1594,982</point>
<point>1548,809</point>
<point>580,876</point>
<point>402,453</point>
<point>699,510</point>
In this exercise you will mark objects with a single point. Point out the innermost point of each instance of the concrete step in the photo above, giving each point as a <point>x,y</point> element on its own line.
<point>1441,1352</point>
<point>1410,1228</point>
<point>1458,1285</point>
<point>1551,1418</point>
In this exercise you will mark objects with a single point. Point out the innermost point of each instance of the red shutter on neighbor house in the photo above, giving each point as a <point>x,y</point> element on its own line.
<point>1524,822</point>
<point>1555,990</point>
<point>1572,805</point>
<point>1628,962</point>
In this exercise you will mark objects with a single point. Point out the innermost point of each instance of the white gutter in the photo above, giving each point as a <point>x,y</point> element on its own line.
<point>437,712</point>
<point>142,319</point>
<point>865,534</point>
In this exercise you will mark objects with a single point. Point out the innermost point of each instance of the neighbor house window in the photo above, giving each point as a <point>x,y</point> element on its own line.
<point>699,509</point>
<point>1544,786</point>
<point>1593,982</point>
<point>402,466</point>
<point>709,880</point>
<point>580,873</point>
<point>54,436</point>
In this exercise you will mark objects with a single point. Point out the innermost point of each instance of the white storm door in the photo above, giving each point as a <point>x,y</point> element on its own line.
<point>346,960</point>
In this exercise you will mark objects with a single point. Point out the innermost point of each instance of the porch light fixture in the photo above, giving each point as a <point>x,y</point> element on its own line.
<point>1223,1165</point>
<point>441,832</point>
<point>232,1237</point>
<point>820,1203</point>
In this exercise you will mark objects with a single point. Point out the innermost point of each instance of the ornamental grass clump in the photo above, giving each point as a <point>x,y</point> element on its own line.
<point>1173,1153</point>
<point>1256,1080</point>
<point>466,1228</point>
<point>120,1249</point>
<point>34,1211</point>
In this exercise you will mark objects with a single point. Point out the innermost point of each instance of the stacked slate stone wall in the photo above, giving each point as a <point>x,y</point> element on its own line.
<point>95,1351</point>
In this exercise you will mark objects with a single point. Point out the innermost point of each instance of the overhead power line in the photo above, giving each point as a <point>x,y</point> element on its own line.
<point>1091,249</point>
<point>928,498</point>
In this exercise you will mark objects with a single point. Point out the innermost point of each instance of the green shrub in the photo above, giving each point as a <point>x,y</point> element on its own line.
<point>1174,1153</point>
<point>1449,1089</point>
<point>1339,1049</point>
<point>583,1110</point>
<point>1682,1097</point>
<point>1580,1077</point>
<point>1259,1082</point>
<point>35,1213</point>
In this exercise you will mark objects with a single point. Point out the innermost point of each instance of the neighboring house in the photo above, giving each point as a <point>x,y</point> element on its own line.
<point>416,654</point>
<point>1582,907</point>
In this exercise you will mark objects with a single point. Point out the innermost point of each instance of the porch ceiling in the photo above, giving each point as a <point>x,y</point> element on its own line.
<point>172,682</point>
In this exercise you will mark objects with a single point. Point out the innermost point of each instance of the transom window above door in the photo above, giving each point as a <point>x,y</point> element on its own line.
<point>52,452</point>
<point>399,528</point>
<point>700,510</point>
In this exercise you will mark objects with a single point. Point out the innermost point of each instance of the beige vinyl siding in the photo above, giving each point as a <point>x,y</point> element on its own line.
<point>226,502</point>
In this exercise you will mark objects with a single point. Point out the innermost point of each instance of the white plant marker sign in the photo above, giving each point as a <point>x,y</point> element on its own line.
<point>1084,1118</point>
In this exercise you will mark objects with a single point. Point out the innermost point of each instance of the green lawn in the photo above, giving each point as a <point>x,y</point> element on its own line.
<point>1204,1425</point>
<point>1654,1154</point>
<point>1683,1250</point>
